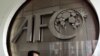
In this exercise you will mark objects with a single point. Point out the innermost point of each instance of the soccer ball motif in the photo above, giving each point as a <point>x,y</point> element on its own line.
<point>65,18</point>
<point>65,24</point>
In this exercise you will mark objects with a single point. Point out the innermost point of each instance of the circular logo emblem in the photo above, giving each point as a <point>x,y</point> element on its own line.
<point>65,24</point>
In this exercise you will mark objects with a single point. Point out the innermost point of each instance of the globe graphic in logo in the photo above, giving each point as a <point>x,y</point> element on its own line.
<point>66,23</point>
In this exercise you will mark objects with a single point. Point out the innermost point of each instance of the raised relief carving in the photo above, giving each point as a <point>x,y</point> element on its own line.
<point>65,24</point>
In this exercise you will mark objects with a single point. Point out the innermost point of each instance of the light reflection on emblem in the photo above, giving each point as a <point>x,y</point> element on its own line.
<point>65,24</point>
